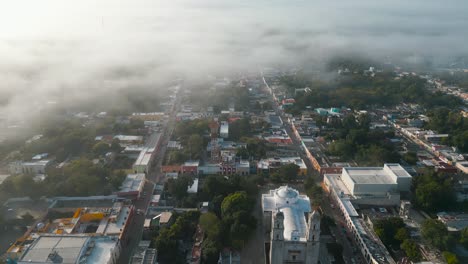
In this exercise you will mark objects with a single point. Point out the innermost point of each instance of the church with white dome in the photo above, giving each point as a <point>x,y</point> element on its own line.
<point>294,228</point>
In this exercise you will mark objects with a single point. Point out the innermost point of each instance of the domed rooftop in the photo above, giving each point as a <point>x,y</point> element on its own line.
<point>286,192</point>
<point>285,195</point>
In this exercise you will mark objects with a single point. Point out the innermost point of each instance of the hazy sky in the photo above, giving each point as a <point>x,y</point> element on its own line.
<point>88,47</point>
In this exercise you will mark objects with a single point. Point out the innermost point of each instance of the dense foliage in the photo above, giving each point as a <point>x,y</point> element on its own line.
<point>433,192</point>
<point>411,250</point>
<point>452,122</point>
<point>191,135</point>
<point>286,173</point>
<point>79,178</point>
<point>170,249</point>
<point>354,140</point>
<point>361,91</point>
<point>256,148</point>
<point>436,234</point>
<point>391,230</point>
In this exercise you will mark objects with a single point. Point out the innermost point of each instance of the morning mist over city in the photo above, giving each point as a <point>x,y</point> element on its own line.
<point>233,131</point>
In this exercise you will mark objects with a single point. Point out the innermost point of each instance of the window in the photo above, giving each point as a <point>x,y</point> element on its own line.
<point>294,257</point>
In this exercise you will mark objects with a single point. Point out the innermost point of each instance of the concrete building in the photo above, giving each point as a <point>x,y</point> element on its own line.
<point>143,162</point>
<point>72,249</point>
<point>270,165</point>
<point>132,186</point>
<point>32,167</point>
<point>367,186</point>
<point>294,228</point>
<point>190,167</point>
<point>144,254</point>
<point>376,181</point>
<point>224,129</point>
<point>455,222</point>
<point>128,140</point>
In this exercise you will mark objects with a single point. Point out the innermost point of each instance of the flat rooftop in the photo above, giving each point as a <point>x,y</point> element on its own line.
<point>133,182</point>
<point>67,249</point>
<point>369,175</point>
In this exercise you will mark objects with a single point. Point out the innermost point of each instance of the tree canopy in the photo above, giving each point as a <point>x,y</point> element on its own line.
<point>434,192</point>
<point>435,233</point>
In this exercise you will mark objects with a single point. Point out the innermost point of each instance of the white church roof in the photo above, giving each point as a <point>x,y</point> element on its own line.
<point>293,205</point>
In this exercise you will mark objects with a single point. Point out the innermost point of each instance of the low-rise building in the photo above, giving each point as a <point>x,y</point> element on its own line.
<point>144,254</point>
<point>367,186</point>
<point>224,129</point>
<point>143,162</point>
<point>455,222</point>
<point>31,167</point>
<point>190,167</point>
<point>76,230</point>
<point>128,140</point>
<point>273,164</point>
<point>132,186</point>
<point>72,249</point>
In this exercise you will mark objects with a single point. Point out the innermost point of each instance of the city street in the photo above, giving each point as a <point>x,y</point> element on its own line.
<point>340,228</point>
<point>154,176</point>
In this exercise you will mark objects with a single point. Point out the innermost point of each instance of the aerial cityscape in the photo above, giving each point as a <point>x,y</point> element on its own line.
<point>257,132</point>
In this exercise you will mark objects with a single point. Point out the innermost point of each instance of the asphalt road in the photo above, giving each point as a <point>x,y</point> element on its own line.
<point>339,230</point>
<point>154,176</point>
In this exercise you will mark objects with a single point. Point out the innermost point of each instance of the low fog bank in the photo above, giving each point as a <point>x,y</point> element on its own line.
<point>77,51</point>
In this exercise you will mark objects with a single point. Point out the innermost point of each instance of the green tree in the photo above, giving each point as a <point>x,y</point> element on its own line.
<point>195,145</point>
<point>240,128</point>
<point>435,233</point>
<point>237,222</point>
<point>100,149</point>
<point>316,194</point>
<point>401,234</point>
<point>288,172</point>
<point>387,228</point>
<point>167,246</point>
<point>411,250</point>
<point>464,237</point>
<point>115,146</point>
<point>450,257</point>
<point>410,157</point>
<point>210,251</point>
<point>178,187</point>
<point>210,223</point>
<point>238,201</point>
<point>434,192</point>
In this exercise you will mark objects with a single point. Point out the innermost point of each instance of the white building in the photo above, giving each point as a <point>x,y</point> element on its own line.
<point>369,186</point>
<point>72,249</point>
<point>376,181</point>
<point>143,162</point>
<point>32,167</point>
<point>294,228</point>
<point>224,129</point>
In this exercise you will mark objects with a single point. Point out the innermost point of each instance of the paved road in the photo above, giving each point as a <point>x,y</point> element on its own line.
<point>254,250</point>
<point>287,126</point>
<point>154,177</point>
<point>135,230</point>
<point>338,231</point>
